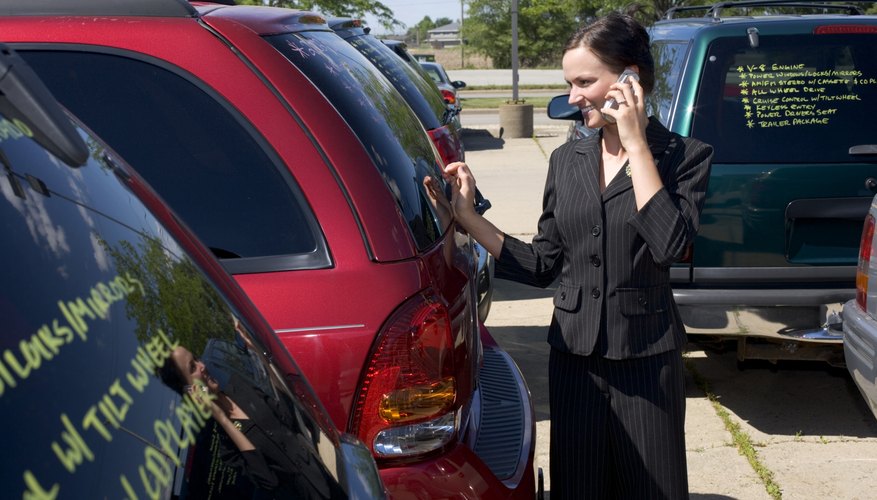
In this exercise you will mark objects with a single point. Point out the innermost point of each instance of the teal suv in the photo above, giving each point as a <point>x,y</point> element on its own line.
<point>786,94</point>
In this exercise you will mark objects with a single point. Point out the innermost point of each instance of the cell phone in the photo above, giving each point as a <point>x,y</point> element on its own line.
<point>612,103</point>
<point>202,387</point>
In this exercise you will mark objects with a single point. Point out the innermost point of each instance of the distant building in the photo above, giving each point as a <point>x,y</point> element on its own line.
<point>444,36</point>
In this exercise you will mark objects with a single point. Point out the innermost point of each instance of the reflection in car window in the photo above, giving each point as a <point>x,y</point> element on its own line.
<point>419,94</point>
<point>388,129</point>
<point>98,298</point>
<point>189,146</point>
<point>669,58</point>
<point>792,99</point>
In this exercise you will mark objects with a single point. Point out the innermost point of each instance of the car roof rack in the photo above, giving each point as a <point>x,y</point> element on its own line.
<point>715,10</point>
<point>136,8</point>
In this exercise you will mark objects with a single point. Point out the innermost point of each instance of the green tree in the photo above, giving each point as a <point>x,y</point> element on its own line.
<point>418,32</point>
<point>345,8</point>
<point>543,27</point>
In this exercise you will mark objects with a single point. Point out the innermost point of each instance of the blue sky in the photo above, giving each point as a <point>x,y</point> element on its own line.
<point>411,12</point>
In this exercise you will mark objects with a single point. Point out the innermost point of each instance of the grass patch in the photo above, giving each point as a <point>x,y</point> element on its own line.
<point>494,102</point>
<point>561,87</point>
<point>741,440</point>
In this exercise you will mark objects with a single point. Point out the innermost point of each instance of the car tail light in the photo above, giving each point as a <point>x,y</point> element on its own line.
<point>449,96</point>
<point>864,263</point>
<point>408,400</point>
<point>446,144</point>
<point>687,256</point>
<point>845,29</point>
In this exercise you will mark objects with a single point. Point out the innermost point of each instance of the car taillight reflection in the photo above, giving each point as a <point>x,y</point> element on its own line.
<point>407,403</point>
<point>864,263</point>
<point>446,144</point>
<point>449,96</point>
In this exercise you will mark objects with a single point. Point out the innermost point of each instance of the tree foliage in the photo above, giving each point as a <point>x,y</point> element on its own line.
<point>341,8</point>
<point>543,25</point>
<point>419,32</point>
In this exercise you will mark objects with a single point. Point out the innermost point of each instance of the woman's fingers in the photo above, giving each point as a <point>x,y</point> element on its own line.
<point>462,181</point>
<point>451,169</point>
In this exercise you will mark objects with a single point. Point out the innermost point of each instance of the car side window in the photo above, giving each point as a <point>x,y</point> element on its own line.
<point>791,99</point>
<point>121,363</point>
<point>669,58</point>
<point>392,135</point>
<point>200,156</point>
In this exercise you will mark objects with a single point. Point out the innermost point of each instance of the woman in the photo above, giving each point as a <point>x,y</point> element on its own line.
<point>257,437</point>
<point>619,208</point>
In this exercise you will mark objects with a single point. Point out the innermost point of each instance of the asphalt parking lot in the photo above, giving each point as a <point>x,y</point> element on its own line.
<point>806,430</point>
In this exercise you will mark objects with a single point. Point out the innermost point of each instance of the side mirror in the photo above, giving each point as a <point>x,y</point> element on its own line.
<point>23,96</point>
<point>559,108</point>
<point>458,84</point>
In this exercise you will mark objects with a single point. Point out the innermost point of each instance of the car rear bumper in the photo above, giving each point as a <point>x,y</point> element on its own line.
<point>860,350</point>
<point>802,314</point>
<point>761,296</point>
<point>495,459</point>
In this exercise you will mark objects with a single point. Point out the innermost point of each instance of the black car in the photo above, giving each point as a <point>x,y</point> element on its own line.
<point>416,87</point>
<point>440,119</point>
<point>132,366</point>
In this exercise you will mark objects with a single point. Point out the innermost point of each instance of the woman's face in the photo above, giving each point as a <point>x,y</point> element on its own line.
<point>193,369</point>
<point>589,79</point>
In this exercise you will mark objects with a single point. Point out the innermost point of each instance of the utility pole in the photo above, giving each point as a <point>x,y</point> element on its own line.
<point>462,49</point>
<point>514,50</point>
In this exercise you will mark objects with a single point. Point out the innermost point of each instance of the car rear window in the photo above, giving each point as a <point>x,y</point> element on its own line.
<point>203,159</point>
<point>391,133</point>
<point>792,99</point>
<point>99,305</point>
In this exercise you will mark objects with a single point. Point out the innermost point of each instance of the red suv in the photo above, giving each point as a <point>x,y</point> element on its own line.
<point>132,365</point>
<point>297,162</point>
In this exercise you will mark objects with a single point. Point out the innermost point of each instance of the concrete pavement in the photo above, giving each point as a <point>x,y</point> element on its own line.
<point>807,460</point>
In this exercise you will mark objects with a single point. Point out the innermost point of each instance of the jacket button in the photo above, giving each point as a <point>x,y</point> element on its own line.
<point>595,261</point>
<point>595,231</point>
<point>595,293</point>
<point>642,301</point>
<point>562,295</point>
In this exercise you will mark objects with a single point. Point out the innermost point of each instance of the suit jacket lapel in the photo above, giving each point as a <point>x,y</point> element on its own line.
<point>658,138</point>
<point>589,164</point>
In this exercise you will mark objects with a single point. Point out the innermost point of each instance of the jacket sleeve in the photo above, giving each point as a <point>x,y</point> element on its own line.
<point>537,263</point>
<point>251,463</point>
<point>670,220</point>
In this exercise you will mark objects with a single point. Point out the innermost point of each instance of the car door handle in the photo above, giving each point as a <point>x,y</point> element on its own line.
<point>864,149</point>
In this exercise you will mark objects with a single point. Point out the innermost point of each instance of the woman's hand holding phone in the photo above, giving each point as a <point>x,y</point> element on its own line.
<point>612,103</point>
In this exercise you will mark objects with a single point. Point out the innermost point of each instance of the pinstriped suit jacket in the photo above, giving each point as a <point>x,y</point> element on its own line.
<point>613,260</point>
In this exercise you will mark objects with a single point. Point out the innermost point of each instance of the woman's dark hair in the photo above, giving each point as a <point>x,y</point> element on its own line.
<point>619,41</point>
<point>170,374</point>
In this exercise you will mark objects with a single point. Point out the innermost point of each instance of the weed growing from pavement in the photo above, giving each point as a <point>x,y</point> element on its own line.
<point>741,440</point>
